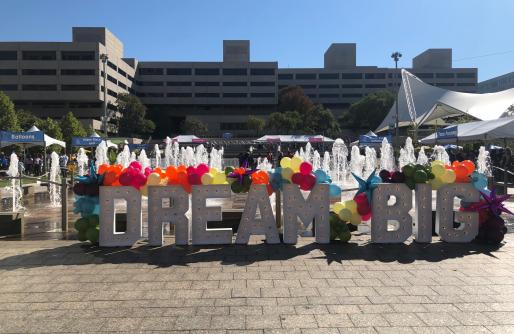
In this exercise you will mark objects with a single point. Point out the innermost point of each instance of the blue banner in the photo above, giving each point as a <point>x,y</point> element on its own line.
<point>86,141</point>
<point>138,146</point>
<point>363,139</point>
<point>22,137</point>
<point>448,132</point>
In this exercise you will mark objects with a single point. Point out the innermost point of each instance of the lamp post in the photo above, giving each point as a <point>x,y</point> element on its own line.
<point>396,57</point>
<point>104,59</point>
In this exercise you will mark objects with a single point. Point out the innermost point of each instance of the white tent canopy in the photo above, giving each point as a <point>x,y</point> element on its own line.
<point>187,139</point>
<point>107,142</point>
<point>47,141</point>
<point>420,103</point>
<point>501,128</point>
<point>294,139</point>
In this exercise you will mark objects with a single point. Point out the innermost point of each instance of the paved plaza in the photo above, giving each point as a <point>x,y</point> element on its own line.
<point>68,286</point>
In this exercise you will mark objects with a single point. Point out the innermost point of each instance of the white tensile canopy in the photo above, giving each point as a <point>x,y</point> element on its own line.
<point>502,128</point>
<point>420,103</point>
<point>47,141</point>
<point>294,139</point>
<point>188,139</point>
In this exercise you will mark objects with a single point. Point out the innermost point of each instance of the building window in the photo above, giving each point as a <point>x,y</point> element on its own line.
<point>207,83</point>
<point>78,87</point>
<point>38,72</point>
<point>112,79</point>
<point>351,86</point>
<point>85,105</point>
<point>262,94</point>
<point>444,84</point>
<point>207,71</point>
<point>282,86</point>
<point>154,94</point>
<point>329,95</point>
<point>424,75</point>
<point>351,95</point>
<point>375,75</point>
<point>466,84</point>
<point>235,84</point>
<point>351,76</point>
<point>39,55</point>
<point>130,78</point>
<point>8,71</point>
<point>312,96</point>
<point>444,75</point>
<point>328,75</point>
<point>111,65</point>
<point>39,87</point>
<point>262,83</point>
<point>122,72</point>
<point>179,95</point>
<point>151,71</point>
<point>207,95</point>
<point>305,76</point>
<point>77,72</point>
<point>262,71</point>
<point>234,94</point>
<point>285,76</point>
<point>8,87</point>
<point>308,86</point>
<point>8,55</point>
<point>466,75</point>
<point>235,71</point>
<point>178,83</point>
<point>122,85</point>
<point>151,83</point>
<point>233,126</point>
<point>78,55</point>
<point>178,71</point>
<point>112,93</point>
<point>375,86</point>
<point>329,86</point>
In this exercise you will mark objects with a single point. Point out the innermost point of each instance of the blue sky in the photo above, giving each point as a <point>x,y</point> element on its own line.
<point>293,32</point>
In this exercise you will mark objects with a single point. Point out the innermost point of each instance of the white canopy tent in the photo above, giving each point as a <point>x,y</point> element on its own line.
<point>421,103</point>
<point>502,128</point>
<point>188,139</point>
<point>47,141</point>
<point>294,139</point>
<point>107,142</point>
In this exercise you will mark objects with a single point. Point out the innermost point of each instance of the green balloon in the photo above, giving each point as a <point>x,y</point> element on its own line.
<point>93,234</point>
<point>408,170</point>
<point>420,176</point>
<point>338,228</point>
<point>93,221</point>
<point>228,170</point>
<point>236,187</point>
<point>82,236</point>
<point>81,224</point>
<point>410,183</point>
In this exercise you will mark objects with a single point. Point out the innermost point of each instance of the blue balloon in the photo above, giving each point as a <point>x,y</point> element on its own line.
<point>321,176</point>
<point>334,190</point>
<point>479,181</point>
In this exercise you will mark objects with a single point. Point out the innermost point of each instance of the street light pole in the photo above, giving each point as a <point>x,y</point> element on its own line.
<point>396,57</point>
<point>104,59</point>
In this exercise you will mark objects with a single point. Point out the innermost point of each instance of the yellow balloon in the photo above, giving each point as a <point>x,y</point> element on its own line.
<point>437,162</point>
<point>144,190</point>
<point>448,176</point>
<point>338,206</point>
<point>356,219</point>
<point>438,170</point>
<point>296,161</point>
<point>287,173</point>
<point>351,205</point>
<point>153,179</point>
<point>285,162</point>
<point>345,215</point>
<point>207,178</point>
<point>219,178</point>
<point>214,170</point>
<point>436,183</point>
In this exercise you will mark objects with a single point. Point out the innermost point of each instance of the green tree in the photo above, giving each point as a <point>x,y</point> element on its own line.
<point>27,119</point>
<point>510,110</point>
<point>255,123</point>
<point>368,112</point>
<point>51,128</point>
<point>8,118</point>
<point>320,120</point>
<point>288,122</point>
<point>293,98</point>
<point>133,122</point>
<point>193,126</point>
<point>71,127</point>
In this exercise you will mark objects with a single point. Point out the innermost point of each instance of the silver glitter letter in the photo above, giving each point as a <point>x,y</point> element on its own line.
<point>423,213</point>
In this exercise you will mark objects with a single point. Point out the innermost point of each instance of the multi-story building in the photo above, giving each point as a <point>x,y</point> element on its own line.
<point>53,78</point>
<point>497,84</point>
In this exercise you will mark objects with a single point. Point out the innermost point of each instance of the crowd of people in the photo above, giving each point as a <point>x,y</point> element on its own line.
<point>35,164</point>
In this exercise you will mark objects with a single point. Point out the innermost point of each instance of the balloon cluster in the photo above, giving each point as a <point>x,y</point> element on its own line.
<point>339,229</point>
<point>87,205</point>
<point>353,211</point>
<point>240,179</point>
<point>410,175</point>
<point>459,172</point>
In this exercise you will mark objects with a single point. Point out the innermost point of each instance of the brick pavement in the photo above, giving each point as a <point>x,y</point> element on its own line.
<point>66,286</point>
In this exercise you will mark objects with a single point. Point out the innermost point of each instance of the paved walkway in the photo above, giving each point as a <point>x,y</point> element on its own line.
<point>66,286</point>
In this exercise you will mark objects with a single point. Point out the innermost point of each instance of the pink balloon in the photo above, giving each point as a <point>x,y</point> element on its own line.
<point>148,171</point>
<point>305,168</point>
<point>125,179</point>
<point>297,178</point>
<point>361,199</point>
<point>191,170</point>
<point>136,165</point>
<point>363,209</point>
<point>308,182</point>
<point>367,216</point>
<point>202,169</point>
<point>194,179</point>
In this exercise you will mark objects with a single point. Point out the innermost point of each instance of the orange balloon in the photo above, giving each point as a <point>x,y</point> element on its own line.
<point>102,169</point>
<point>455,164</point>
<point>461,172</point>
<point>182,168</point>
<point>110,178</point>
<point>470,166</point>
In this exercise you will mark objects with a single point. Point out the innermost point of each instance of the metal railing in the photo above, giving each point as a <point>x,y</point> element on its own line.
<point>505,184</point>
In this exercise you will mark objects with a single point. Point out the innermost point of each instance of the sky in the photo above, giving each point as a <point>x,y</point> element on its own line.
<point>295,33</point>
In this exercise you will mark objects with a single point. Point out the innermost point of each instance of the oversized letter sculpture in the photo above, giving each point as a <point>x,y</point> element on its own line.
<point>398,212</point>
<point>423,210</point>
<point>174,214</point>
<point>257,198</point>
<point>468,228</point>
<point>108,236</point>
<point>201,235</point>
<point>315,207</point>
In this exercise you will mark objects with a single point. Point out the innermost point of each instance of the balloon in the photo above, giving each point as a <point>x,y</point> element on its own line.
<point>194,179</point>
<point>190,170</point>
<point>207,179</point>
<point>297,178</point>
<point>125,179</point>
<point>420,176</point>
<point>287,173</point>
<point>285,162</point>
<point>367,216</point>
<point>144,190</point>
<point>436,183</point>
<point>308,182</point>
<point>345,214</point>
<point>398,177</point>
<point>479,181</point>
<point>361,199</point>
<point>438,170</point>
<point>334,190</point>
<point>305,168</point>
<point>102,169</point>
<point>136,165</point>
<point>449,176</point>
<point>153,179</point>
<point>202,169</point>
<point>355,219</point>
<point>385,175</point>
<point>219,178</point>
<point>363,209</point>
<point>321,176</point>
<point>408,170</point>
<point>351,205</point>
<point>470,166</point>
<point>296,161</point>
<point>437,162</point>
<point>338,206</point>
<point>461,173</point>
<point>110,178</point>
